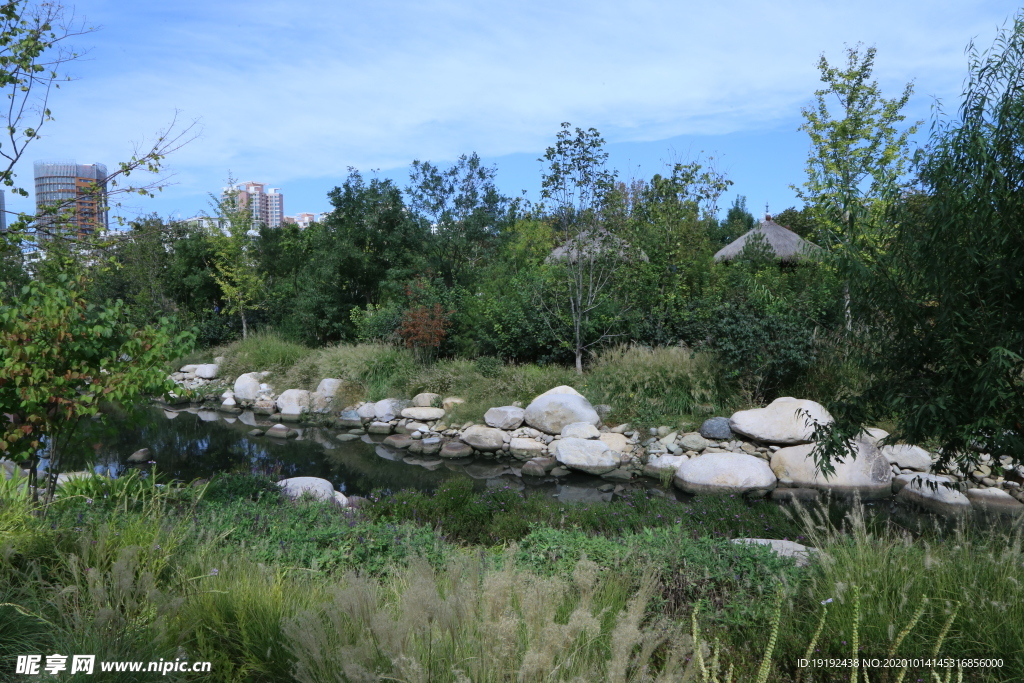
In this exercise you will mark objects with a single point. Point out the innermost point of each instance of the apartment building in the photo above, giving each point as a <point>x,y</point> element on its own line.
<point>78,190</point>
<point>266,204</point>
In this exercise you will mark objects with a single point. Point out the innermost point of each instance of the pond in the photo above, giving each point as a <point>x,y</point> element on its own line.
<point>195,443</point>
<point>190,443</point>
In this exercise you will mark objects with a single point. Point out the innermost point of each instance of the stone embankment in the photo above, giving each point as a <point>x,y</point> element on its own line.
<point>763,452</point>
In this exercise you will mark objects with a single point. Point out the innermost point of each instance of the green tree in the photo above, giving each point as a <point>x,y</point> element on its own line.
<point>61,356</point>
<point>581,297</point>
<point>465,213</point>
<point>236,258</point>
<point>945,351</point>
<point>858,157</point>
<point>670,221</point>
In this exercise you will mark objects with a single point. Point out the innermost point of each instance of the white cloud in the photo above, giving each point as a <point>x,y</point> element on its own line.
<point>287,91</point>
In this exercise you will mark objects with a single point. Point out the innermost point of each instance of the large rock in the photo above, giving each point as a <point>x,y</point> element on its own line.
<point>904,455</point>
<point>424,400</point>
<point>328,388</point>
<point>208,371</point>
<point>587,455</point>
<point>868,475</point>
<point>456,449</point>
<point>551,412</point>
<point>505,417</point>
<point>717,429</point>
<point>580,430</point>
<point>484,438</point>
<point>247,386</point>
<point>875,435</point>
<point>367,411</point>
<point>379,428</point>
<point>995,500</point>
<point>562,390</point>
<point>293,402</point>
<point>616,442</point>
<point>724,473</point>
<point>782,422</point>
<point>386,410</point>
<point>525,449</point>
<point>931,492</point>
<point>318,488</point>
<point>425,414</point>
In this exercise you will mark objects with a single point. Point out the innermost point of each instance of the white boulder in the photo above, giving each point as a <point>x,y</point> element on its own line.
<point>367,411</point>
<point>868,475</point>
<point>616,442</point>
<point>424,414</point>
<point>932,492</point>
<point>505,417</point>
<point>386,410</point>
<point>909,457</point>
<point>293,402</point>
<point>785,421</point>
<point>580,430</point>
<point>318,488</point>
<point>424,400</point>
<point>587,455</point>
<point>995,500</point>
<point>724,473</point>
<point>551,412</point>
<point>657,464</point>
<point>484,438</point>
<point>208,371</point>
<point>566,390</point>
<point>247,386</point>
<point>525,449</point>
<point>328,387</point>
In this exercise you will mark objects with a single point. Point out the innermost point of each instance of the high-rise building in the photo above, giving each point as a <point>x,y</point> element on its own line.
<point>266,204</point>
<point>78,189</point>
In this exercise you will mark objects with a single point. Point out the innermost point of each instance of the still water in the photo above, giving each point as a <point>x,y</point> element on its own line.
<point>193,443</point>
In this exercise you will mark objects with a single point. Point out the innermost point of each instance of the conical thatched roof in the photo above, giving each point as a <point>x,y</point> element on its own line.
<point>788,246</point>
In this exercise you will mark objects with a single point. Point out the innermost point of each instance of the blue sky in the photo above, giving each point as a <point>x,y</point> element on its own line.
<point>294,93</point>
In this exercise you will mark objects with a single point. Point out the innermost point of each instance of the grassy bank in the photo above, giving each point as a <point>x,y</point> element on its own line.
<point>424,587</point>
<point>643,385</point>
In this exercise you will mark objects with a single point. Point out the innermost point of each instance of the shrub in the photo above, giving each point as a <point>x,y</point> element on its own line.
<point>657,385</point>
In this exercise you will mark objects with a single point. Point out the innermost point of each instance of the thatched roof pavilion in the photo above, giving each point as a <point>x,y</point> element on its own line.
<point>788,246</point>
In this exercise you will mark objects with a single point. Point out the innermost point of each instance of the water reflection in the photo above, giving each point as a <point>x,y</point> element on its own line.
<point>195,443</point>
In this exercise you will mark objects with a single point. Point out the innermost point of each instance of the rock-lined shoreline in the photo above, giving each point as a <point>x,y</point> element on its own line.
<point>763,452</point>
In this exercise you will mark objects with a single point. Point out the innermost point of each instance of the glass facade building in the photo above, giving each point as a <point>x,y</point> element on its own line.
<point>77,191</point>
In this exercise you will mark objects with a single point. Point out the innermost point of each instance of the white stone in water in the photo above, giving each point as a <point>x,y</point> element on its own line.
<point>868,475</point>
<point>484,438</point>
<point>587,455</point>
<point>932,492</point>
<point>724,473</point>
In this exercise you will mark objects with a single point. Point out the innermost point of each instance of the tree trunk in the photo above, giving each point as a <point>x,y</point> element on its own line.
<point>579,360</point>
<point>245,330</point>
<point>847,314</point>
